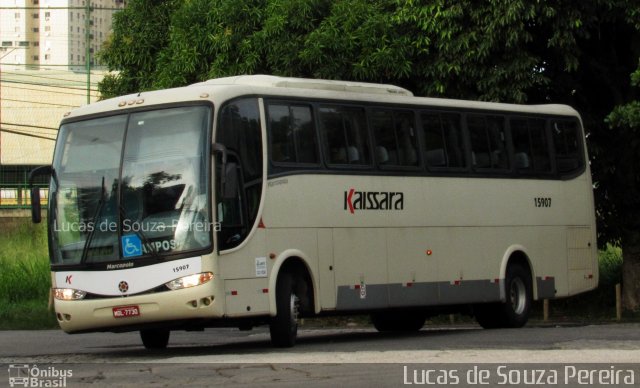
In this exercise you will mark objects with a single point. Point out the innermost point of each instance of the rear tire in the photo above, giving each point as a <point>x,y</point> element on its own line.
<point>515,311</point>
<point>284,326</point>
<point>155,338</point>
<point>398,321</point>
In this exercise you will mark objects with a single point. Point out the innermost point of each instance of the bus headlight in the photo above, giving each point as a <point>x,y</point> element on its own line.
<point>190,281</point>
<point>68,294</point>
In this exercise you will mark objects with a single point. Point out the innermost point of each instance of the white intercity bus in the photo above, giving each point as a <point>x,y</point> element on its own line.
<point>255,200</point>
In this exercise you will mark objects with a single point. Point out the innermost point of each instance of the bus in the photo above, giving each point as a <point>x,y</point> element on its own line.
<point>261,200</point>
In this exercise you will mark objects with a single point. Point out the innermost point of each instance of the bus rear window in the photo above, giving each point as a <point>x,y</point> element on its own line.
<point>567,144</point>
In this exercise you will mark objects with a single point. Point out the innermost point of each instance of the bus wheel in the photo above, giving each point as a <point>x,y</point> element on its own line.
<point>155,338</point>
<point>284,326</point>
<point>515,311</point>
<point>400,321</point>
<point>519,296</point>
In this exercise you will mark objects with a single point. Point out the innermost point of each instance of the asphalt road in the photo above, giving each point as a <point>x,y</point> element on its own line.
<point>355,356</point>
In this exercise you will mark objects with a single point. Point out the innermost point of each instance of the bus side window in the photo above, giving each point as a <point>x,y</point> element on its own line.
<point>345,134</point>
<point>566,141</point>
<point>530,145</point>
<point>395,138</point>
<point>293,137</point>
<point>444,145</point>
<point>488,142</point>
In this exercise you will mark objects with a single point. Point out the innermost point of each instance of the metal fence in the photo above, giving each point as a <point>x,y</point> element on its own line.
<point>14,187</point>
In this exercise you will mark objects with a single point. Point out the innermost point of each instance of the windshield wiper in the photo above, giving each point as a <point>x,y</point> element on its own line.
<point>101,202</point>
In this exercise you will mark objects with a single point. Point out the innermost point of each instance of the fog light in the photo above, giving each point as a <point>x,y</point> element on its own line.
<point>190,281</point>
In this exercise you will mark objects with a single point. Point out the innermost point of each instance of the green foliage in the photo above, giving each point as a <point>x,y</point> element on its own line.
<point>141,32</point>
<point>24,261</point>
<point>25,279</point>
<point>513,51</point>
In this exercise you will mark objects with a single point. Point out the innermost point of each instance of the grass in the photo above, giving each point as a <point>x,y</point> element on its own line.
<point>25,281</point>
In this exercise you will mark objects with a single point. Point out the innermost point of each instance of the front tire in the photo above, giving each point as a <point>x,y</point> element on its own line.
<point>284,326</point>
<point>155,338</point>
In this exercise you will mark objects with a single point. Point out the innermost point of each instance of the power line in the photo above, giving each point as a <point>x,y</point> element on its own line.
<point>46,91</point>
<point>25,134</point>
<point>50,85</point>
<point>42,103</point>
<point>36,133</point>
<point>48,78</point>
<point>29,126</point>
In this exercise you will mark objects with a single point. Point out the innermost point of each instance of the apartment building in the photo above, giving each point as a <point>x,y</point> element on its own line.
<point>53,34</point>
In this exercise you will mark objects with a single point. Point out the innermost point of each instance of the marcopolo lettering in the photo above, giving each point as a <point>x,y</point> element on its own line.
<point>372,200</point>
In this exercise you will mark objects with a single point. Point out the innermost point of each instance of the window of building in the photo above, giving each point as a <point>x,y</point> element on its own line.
<point>7,43</point>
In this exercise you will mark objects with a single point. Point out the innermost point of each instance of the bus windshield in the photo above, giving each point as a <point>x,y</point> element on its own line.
<point>131,186</point>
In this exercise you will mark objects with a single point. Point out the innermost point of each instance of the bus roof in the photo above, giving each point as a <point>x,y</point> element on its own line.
<point>222,89</point>
<point>270,81</point>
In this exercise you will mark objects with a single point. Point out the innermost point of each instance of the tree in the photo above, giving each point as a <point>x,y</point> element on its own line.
<point>141,31</point>
<point>622,190</point>
<point>578,53</point>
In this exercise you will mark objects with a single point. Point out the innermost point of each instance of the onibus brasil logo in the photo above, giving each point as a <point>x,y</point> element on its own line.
<point>25,375</point>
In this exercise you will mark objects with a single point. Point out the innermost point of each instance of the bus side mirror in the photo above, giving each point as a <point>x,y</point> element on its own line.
<point>36,209</point>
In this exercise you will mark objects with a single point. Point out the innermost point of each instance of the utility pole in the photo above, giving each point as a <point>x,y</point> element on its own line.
<point>87,39</point>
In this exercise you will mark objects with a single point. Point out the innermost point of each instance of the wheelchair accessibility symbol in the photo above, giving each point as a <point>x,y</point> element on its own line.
<point>131,246</point>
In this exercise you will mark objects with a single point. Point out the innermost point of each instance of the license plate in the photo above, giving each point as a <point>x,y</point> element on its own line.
<point>126,311</point>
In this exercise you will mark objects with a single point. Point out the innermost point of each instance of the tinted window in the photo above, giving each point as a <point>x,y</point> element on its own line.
<point>530,146</point>
<point>293,137</point>
<point>395,138</point>
<point>566,140</point>
<point>345,134</point>
<point>444,142</point>
<point>488,142</point>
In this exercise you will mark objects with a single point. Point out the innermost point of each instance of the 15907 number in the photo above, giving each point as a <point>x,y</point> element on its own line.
<point>542,202</point>
<point>181,268</point>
